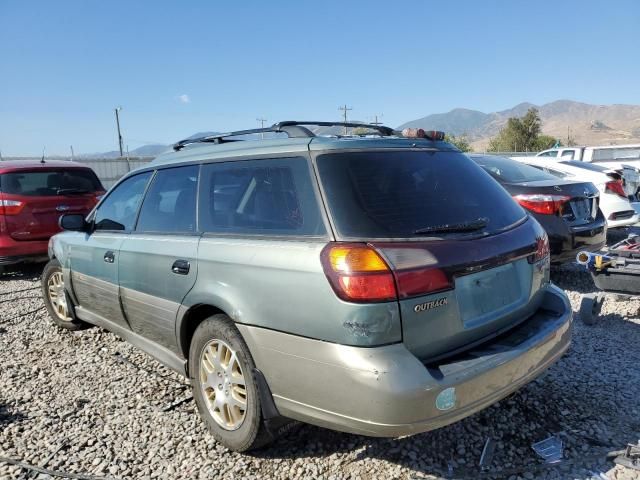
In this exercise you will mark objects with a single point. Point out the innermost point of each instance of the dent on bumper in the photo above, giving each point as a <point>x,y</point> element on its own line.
<point>386,391</point>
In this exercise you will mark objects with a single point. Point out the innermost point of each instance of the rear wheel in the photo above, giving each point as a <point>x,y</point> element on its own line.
<point>56,298</point>
<point>221,371</point>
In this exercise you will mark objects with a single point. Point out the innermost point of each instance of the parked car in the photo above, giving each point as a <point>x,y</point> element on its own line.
<point>33,195</point>
<point>382,286</point>
<point>568,210</point>
<point>611,156</point>
<point>614,203</point>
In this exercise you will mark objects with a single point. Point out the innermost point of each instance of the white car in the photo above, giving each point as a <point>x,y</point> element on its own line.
<point>614,203</point>
<point>611,156</point>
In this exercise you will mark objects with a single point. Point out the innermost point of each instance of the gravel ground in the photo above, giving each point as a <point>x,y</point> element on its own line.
<point>87,402</point>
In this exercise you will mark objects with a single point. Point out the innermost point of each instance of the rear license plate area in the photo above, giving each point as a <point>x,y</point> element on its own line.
<point>482,294</point>
<point>581,209</point>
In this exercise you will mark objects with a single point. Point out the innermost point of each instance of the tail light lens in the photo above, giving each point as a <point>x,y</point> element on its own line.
<point>11,207</point>
<point>541,203</point>
<point>542,249</point>
<point>615,186</point>
<point>358,273</point>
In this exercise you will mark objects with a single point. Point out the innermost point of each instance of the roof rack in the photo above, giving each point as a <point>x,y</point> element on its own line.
<point>294,129</point>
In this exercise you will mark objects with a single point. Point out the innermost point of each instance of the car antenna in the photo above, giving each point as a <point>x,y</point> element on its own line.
<point>42,159</point>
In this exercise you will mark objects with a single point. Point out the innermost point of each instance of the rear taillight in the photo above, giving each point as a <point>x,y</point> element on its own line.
<point>542,249</point>
<point>542,203</point>
<point>11,207</point>
<point>615,186</point>
<point>358,273</point>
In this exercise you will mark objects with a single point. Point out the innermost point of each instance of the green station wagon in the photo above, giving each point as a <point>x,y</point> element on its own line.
<point>376,284</point>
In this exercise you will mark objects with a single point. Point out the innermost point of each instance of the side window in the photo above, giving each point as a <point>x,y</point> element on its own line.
<point>568,154</point>
<point>271,196</point>
<point>118,210</point>
<point>170,204</point>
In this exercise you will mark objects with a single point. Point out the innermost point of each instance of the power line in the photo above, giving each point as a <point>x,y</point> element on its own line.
<point>345,109</point>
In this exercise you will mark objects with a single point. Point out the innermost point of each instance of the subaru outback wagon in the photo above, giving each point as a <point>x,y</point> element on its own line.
<point>372,284</point>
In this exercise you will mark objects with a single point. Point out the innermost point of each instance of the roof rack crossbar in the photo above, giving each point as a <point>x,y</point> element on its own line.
<point>293,129</point>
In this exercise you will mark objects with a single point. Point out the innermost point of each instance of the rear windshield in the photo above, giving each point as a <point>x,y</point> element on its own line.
<point>50,182</point>
<point>506,170</point>
<point>394,194</point>
<point>586,166</point>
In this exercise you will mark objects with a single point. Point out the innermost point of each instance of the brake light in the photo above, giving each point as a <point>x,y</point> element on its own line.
<point>541,203</point>
<point>358,273</point>
<point>542,249</point>
<point>615,186</point>
<point>11,207</point>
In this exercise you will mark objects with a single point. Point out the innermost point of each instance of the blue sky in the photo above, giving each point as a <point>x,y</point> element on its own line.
<point>177,68</point>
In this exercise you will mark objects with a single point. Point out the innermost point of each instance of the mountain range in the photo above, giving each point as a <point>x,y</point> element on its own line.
<point>584,123</point>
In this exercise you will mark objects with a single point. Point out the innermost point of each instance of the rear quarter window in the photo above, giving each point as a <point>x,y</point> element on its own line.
<point>265,197</point>
<point>393,194</point>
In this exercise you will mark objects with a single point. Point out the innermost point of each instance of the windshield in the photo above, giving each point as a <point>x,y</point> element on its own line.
<point>506,170</point>
<point>50,182</point>
<point>401,194</point>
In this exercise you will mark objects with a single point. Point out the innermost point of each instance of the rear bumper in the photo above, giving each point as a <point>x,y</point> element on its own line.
<point>566,241</point>
<point>12,251</point>
<point>386,391</point>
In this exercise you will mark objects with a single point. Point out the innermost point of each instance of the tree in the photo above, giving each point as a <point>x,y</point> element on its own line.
<point>460,142</point>
<point>522,135</point>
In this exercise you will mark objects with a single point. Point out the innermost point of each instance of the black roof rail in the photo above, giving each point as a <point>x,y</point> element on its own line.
<point>293,129</point>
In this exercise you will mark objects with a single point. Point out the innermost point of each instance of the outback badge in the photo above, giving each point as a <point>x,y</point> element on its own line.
<point>423,307</point>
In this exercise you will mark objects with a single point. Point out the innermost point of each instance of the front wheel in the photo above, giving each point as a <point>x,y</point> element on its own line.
<point>221,371</point>
<point>56,299</point>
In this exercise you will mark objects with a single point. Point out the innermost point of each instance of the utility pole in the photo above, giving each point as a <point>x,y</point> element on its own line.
<point>345,109</point>
<point>261,121</point>
<point>71,147</point>
<point>376,122</point>
<point>117,110</point>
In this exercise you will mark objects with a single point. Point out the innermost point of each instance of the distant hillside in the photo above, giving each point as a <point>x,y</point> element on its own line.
<point>589,124</point>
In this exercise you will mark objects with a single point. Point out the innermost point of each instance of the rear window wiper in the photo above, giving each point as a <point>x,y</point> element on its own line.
<point>71,191</point>
<point>472,226</point>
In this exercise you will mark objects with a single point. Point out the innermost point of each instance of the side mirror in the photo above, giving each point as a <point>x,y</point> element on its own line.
<point>73,222</point>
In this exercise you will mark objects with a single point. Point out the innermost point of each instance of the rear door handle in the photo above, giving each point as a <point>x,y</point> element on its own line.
<point>109,257</point>
<point>181,267</point>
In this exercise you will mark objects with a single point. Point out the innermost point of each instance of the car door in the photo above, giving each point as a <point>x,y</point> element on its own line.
<point>158,260</point>
<point>94,256</point>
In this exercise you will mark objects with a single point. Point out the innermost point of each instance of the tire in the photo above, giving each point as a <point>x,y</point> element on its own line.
<point>56,298</point>
<point>590,309</point>
<point>218,357</point>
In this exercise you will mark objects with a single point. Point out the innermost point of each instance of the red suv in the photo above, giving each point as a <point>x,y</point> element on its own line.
<point>33,195</point>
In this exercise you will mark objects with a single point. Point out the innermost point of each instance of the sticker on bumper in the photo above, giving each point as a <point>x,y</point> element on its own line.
<point>446,399</point>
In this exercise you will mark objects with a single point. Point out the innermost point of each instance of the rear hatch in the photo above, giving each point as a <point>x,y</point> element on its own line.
<point>467,261</point>
<point>32,201</point>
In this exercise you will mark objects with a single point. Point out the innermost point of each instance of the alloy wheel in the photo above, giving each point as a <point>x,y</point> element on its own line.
<point>57,297</point>
<point>223,384</point>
